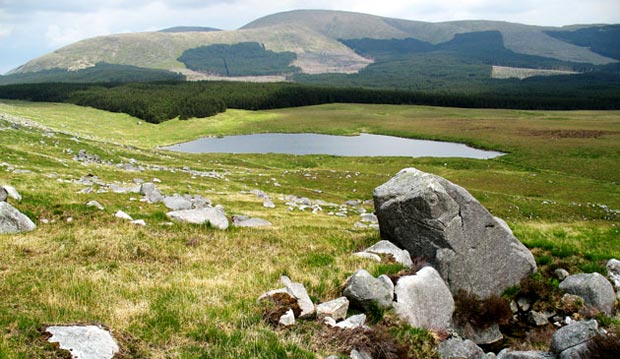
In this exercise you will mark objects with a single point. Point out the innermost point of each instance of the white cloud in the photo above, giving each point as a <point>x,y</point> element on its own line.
<point>5,30</point>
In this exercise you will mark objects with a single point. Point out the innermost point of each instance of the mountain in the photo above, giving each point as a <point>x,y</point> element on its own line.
<point>189,29</point>
<point>346,48</point>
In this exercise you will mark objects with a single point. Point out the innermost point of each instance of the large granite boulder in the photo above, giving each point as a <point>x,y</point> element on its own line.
<point>595,290</point>
<point>571,341</point>
<point>364,290</point>
<point>424,300</point>
<point>13,221</point>
<point>433,218</point>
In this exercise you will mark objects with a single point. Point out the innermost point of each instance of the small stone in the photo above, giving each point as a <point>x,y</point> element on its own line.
<point>13,221</point>
<point>215,216</point>
<point>538,319</point>
<point>12,193</point>
<point>244,221</point>
<point>95,204</point>
<point>354,321</point>
<point>366,255</point>
<point>524,304</point>
<point>139,222</point>
<point>287,319</point>
<point>561,274</point>
<point>613,271</point>
<point>355,354</point>
<point>298,291</point>
<point>369,218</point>
<point>122,215</point>
<point>386,247</point>
<point>84,342</point>
<point>269,204</point>
<point>364,290</point>
<point>336,309</point>
<point>156,180</point>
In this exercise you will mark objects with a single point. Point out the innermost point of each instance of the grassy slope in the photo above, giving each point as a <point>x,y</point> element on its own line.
<point>166,298</point>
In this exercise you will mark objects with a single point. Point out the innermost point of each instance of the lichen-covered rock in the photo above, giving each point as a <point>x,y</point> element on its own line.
<point>13,221</point>
<point>440,221</point>
<point>595,290</point>
<point>424,300</point>
<point>573,335</point>
<point>364,290</point>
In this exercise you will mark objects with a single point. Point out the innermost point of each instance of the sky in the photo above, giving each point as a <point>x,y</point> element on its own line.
<point>31,28</point>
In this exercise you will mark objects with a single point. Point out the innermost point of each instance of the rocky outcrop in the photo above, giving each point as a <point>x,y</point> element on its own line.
<point>364,290</point>
<point>595,290</point>
<point>440,221</point>
<point>13,221</point>
<point>424,300</point>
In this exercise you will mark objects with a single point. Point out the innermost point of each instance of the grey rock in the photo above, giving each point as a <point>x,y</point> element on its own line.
<point>139,222</point>
<point>362,289</point>
<point>367,255</point>
<point>13,221</point>
<point>3,195</point>
<point>268,204</point>
<point>455,348</point>
<point>595,290</point>
<point>273,292</point>
<point>440,221</point>
<point>538,319</point>
<point>332,357</point>
<point>573,335</point>
<point>122,215</point>
<point>215,216</point>
<point>480,336</point>
<point>336,309</point>
<point>489,355</point>
<point>424,300</point>
<point>95,204</point>
<point>369,218</point>
<point>287,319</point>
<point>177,203</point>
<point>386,247</point>
<point>352,322</point>
<point>577,352</point>
<point>355,354</point>
<point>298,291</point>
<point>613,271</point>
<point>151,193</point>
<point>561,273</point>
<point>244,221</point>
<point>84,342</point>
<point>11,193</point>
<point>524,304</point>
<point>510,354</point>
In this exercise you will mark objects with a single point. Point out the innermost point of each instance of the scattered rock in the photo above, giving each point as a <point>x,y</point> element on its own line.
<point>386,247</point>
<point>298,291</point>
<point>595,290</point>
<point>524,304</point>
<point>424,300</point>
<point>84,342</point>
<point>613,271</point>
<point>11,193</point>
<point>355,354</point>
<point>481,336</point>
<point>245,221</point>
<point>13,221</point>
<point>177,203</point>
<point>212,215</point>
<point>364,290</point>
<point>367,255</point>
<point>95,204</point>
<point>354,321</point>
<point>336,309</point>
<point>139,222</point>
<point>573,338</point>
<point>287,319</point>
<point>455,348</point>
<point>369,218</point>
<point>510,354</point>
<point>151,193</point>
<point>440,221</point>
<point>561,274</point>
<point>538,319</point>
<point>122,215</point>
<point>269,204</point>
<point>3,195</point>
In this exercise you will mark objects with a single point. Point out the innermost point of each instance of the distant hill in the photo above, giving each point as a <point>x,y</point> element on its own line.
<point>346,48</point>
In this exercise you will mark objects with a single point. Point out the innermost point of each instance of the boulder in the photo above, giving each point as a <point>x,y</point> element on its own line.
<point>441,222</point>
<point>336,309</point>
<point>510,354</point>
<point>455,348</point>
<point>364,290</point>
<point>481,336</point>
<point>215,216</point>
<point>573,336</point>
<point>151,193</point>
<point>13,221</point>
<point>245,221</point>
<point>386,247</point>
<point>424,300</point>
<point>298,291</point>
<point>11,193</point>
<point>177,203</point>
<point>613,271</point>
<point>84,342</point>
<point>595,290</point>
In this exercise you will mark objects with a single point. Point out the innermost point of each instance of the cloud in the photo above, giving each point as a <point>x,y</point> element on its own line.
<point>5,30</point>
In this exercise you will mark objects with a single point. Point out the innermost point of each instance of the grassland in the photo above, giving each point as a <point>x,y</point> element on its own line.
<point>189,291</point>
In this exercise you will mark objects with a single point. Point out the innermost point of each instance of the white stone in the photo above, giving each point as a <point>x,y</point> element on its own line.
<point>287,319</point>
<point>386,247</point>
<point>366,255</point>
<point>336,309</point>
<point>354,321</point>
<point>122,215</point>
<point>12,192</point>
<point>84,342</point>
<point>298,291</point>
<point>139,222</point>
<point>95,204</point>
<point>214,216</point>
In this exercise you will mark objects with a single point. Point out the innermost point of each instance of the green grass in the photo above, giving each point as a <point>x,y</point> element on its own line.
<point>187,291</point>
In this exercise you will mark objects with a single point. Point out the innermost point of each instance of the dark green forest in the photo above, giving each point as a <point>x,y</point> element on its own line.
<point>160,101</point>
<point>604,40</point>
<point>242,59</point>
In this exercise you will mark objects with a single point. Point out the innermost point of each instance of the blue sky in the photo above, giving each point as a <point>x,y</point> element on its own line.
<point>31,28</point>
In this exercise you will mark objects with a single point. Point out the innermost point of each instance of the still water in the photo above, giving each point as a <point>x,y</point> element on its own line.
<point>310,143</point>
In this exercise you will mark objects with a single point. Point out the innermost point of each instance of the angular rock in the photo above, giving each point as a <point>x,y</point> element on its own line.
<point>84,342</point>
<point>273,292</point>
<point>298,291</point>
<point>369,218</point>
<point>352,322</point>
<point>177,203</point>
<point>13,221</point>
<point>573,335</point>
<point>356,354</point>
<point>538,319</point>
<point>561,274</point>
<point>364,290</point>
<point>151,193</point>
<point>440,221</point>
<point>245,221</point>
<point>386,247</point>
<point>424,300</point>
<point>367,255</point>
<point>455,348</point>
<point>613,271</point>
<point>481,336</point>
<point>139,222</point>
<point>336,309</point>
<point>212,215</point>
<point>510,354</point>
<point>3,195</point>
<point>595,290</point>
<point>269,204</point>
<point>95,204</point>
<point>287,319</point>
<point>11,193</point>
<point>122,215</point>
